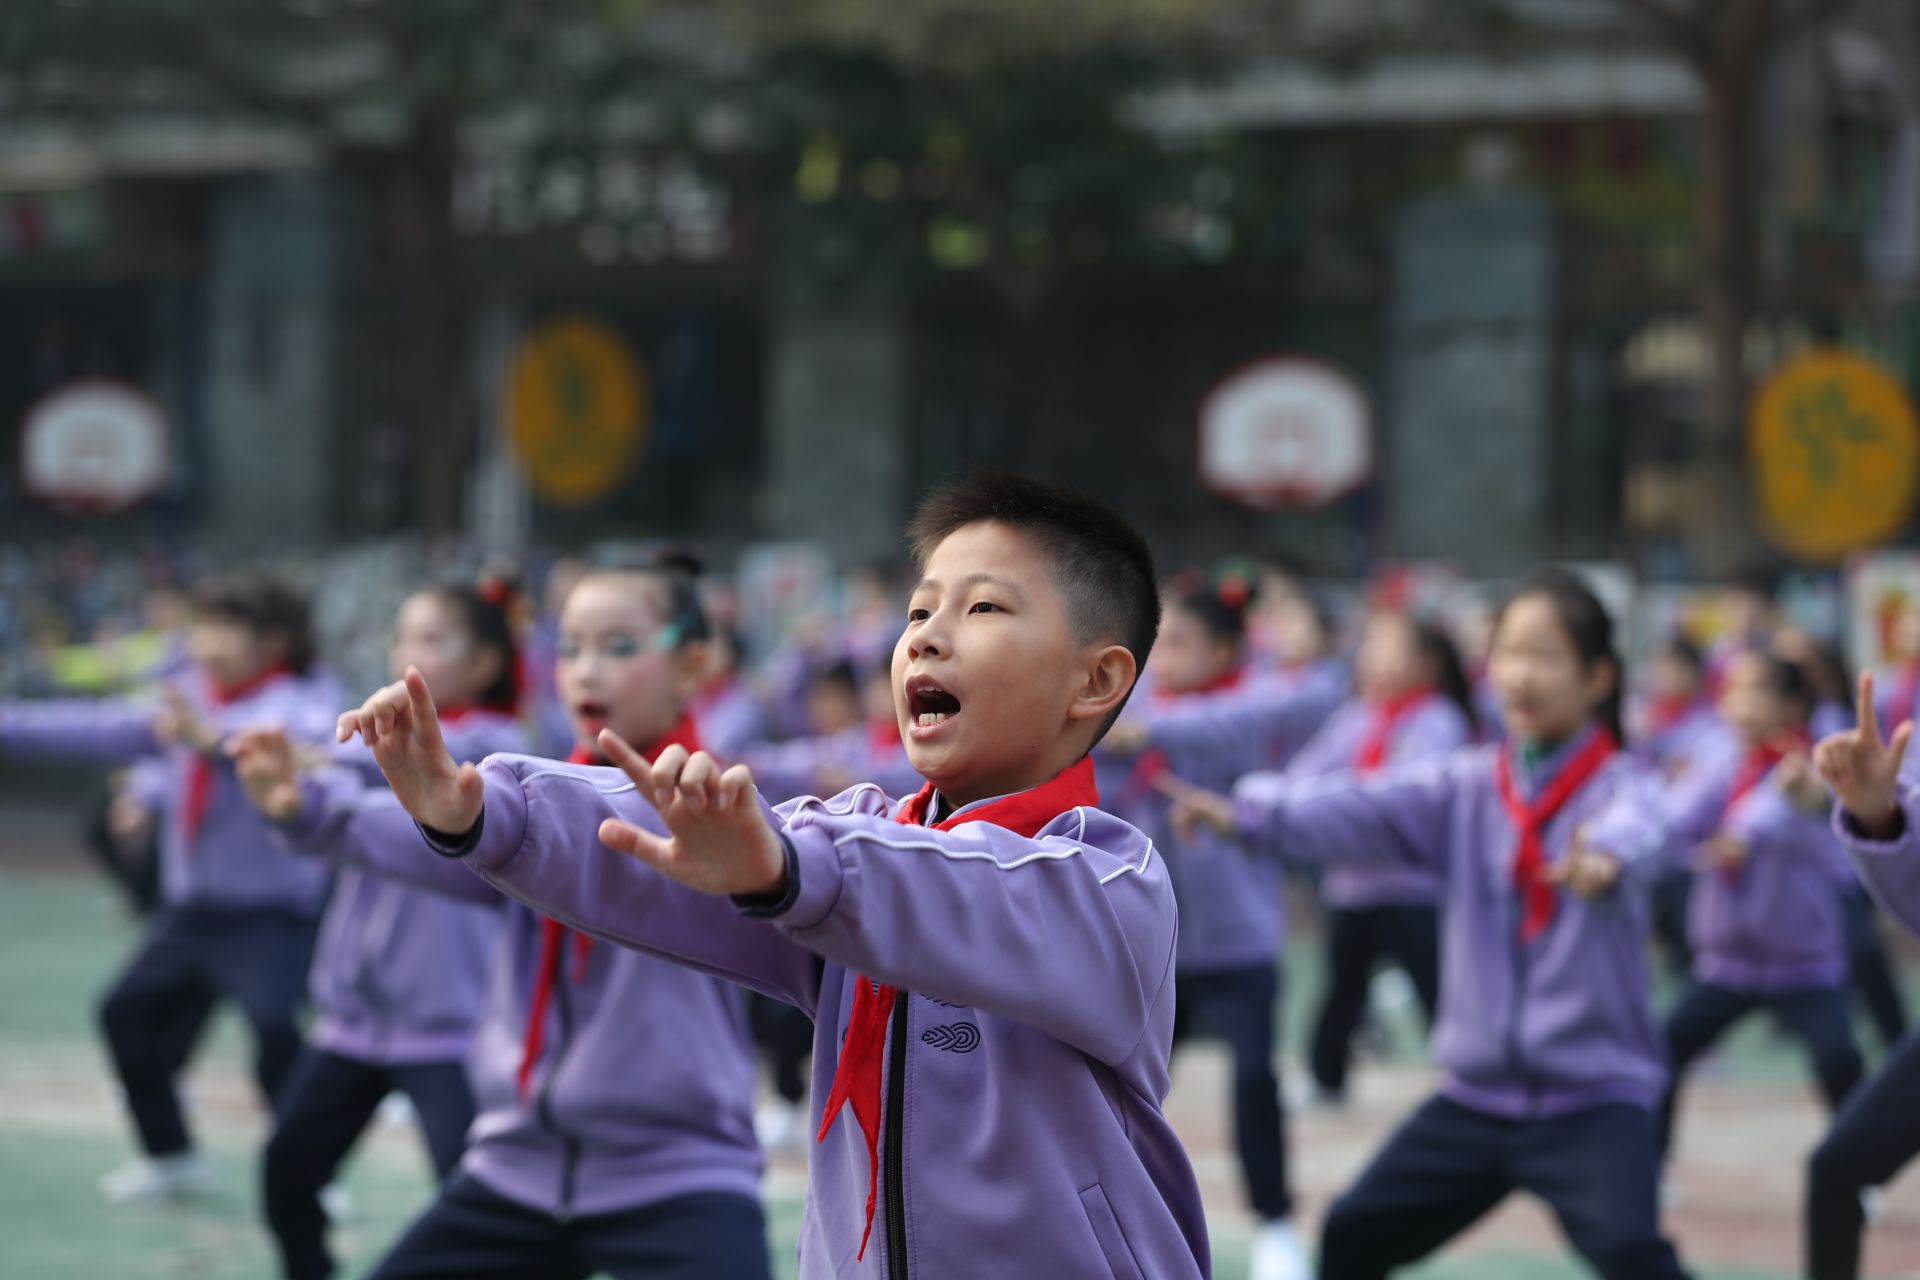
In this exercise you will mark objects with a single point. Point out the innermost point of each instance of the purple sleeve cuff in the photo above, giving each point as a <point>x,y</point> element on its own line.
<point>815,875</point>
<point>767,905</point>
<point>497,834</point>
<point>1848,832</point>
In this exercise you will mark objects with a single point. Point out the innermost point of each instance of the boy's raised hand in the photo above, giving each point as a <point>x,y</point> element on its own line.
<point>1863,770</point>
<point>401,728</point>
<point>268,769</point>
<point>718,839</point>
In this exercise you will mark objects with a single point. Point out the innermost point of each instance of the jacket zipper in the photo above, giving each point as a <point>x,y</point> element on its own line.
<point>569,1143</point>
<point>895,1167</point>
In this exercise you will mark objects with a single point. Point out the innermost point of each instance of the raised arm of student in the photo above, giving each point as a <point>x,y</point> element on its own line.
<point>1247,724</point>
<point>1401,814</point>
<point>1070,933</point>
<point>529,828</point>
<point>89,729</point>
<point>337,814</point>
<point>1877,806</point>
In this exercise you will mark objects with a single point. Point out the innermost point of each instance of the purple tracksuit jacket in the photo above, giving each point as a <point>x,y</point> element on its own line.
<point>1775,925</point>
<point>1525,1030</point>
<point>1232,914</point>
<point>1433,728</point>
<point>1022,1134</point>
<point>644,1086</point>
<point>1696,733</point>
<point>232,860</point>
<point>400,973</point>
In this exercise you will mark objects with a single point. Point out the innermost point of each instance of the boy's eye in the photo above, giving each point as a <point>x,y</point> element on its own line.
<point>622,647</point>
<point>984,606</point>
<point>918,615</point>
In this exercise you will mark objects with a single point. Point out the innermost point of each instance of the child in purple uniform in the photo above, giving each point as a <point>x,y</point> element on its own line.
<point>1878,1132</point>
<point>1413,703</point>
<point>1552,1060</point>
<point>400,972</point>
<point>989,965</point>
<point>1209,722</point>
<point>615,1092</point>
<point>237,916</point>
<point>1765,918</point>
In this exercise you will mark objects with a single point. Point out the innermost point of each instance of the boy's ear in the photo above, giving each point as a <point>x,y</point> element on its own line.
<point>1109,680</point>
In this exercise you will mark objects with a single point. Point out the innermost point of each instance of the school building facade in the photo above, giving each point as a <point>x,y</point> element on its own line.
<point>1515,298</point>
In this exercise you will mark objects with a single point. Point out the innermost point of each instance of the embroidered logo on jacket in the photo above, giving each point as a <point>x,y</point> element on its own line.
<point>958,1037</point>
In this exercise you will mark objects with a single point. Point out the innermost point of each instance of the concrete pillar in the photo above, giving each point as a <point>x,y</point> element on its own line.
<point>266,467</point>
<point>836,440</point>
<point>1469,444</point>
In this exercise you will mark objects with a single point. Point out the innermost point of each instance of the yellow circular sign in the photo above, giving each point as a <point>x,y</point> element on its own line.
<point>576,410</point>
<point>1836,455</point>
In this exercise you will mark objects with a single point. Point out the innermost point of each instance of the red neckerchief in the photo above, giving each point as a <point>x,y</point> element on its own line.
<point>199,793</point>
<point>1530,820</point>
<point>553,934</point>
<point>1387,715</point>
<point>856,1078</point>
<point>1152,762</point>
<point>1755,765</point>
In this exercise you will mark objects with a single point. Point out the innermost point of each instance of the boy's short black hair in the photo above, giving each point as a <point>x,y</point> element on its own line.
<point>1100,562</point>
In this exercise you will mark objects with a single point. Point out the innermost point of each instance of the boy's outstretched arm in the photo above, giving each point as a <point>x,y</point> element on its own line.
<point>1057,932</point>
<point>528,828</point>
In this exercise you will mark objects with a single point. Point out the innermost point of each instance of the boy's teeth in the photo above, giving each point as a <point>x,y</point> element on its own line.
<point>927,719</point>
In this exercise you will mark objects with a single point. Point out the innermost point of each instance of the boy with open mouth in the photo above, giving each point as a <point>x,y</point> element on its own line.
<point>989,963</point>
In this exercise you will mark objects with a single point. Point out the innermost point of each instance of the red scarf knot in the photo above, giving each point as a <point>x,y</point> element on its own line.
<point>1388,714</point>
<point>199,791</point>
<point>1530,820</point>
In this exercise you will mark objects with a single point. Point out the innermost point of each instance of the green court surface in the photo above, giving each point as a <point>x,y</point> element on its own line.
<point>62,937</point>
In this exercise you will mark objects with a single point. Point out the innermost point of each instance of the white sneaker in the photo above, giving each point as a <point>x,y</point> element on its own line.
<point>396,1112</point>
<point>168,1178</point>
<point>781,1127</point>
<point>1391,991</point>
<point>337,1203</point>
<point>1277,1254</point>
